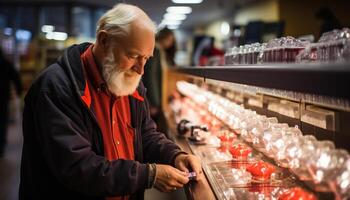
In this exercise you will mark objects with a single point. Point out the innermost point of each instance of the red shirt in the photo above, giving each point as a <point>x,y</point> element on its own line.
<point>112,114</point>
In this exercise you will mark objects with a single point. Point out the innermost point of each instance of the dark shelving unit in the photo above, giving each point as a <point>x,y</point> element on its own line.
<point>331,80</point>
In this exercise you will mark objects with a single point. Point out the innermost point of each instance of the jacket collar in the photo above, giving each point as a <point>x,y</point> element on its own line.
<point>92,69</point>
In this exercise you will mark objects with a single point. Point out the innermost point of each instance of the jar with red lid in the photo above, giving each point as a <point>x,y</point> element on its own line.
<point>226,136</point>
<point>261,171</point>
<point>240,151</point>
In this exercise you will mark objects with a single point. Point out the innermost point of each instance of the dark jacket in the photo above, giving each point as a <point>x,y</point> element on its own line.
<point>63,149</point>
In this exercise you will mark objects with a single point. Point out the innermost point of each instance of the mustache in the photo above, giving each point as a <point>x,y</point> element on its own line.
<point>110,67</point>
<point>120,81</point>
<point>131,72</point>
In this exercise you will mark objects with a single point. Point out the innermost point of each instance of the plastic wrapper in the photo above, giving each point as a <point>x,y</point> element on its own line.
<point>341,184</point>
<point>240,151</point>
<point>244,54</point>
<point>333,46</point>
<point>325,165</point>
<point>295,193</point>
<point>283,50</point>
<point>236,182</point>
<point>261,171</point>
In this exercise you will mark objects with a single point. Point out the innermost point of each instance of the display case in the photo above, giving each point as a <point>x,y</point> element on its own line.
<point>307,103</point>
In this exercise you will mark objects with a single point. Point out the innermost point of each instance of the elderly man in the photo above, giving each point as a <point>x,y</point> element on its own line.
<point>86,123</point>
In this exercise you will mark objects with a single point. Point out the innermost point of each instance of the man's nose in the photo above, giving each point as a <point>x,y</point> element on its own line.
<point>139,66</point>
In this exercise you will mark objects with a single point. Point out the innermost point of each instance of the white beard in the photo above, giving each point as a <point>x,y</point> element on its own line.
<point>119,82</point>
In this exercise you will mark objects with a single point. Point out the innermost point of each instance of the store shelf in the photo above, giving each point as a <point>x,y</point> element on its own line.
<point>319,79</point>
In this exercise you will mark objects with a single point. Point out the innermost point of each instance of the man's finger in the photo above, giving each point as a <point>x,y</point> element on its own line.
<point>196,166</point>
<point>180,176</point>
<point>182,166</point>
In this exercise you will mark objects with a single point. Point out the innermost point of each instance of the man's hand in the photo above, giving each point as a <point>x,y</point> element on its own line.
<point>187,163</point>
<point>169,178</point>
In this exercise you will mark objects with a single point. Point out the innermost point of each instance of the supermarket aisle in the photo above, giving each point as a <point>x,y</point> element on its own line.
<point>10,163</point>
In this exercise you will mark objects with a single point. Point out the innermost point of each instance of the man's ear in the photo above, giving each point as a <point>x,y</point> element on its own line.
<point>103,39</point>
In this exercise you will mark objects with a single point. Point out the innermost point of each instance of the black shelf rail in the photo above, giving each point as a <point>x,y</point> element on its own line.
<point>331,80</point>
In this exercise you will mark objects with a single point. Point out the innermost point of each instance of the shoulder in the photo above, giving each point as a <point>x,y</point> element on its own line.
<point>53,77</point>
<point>51,80</point>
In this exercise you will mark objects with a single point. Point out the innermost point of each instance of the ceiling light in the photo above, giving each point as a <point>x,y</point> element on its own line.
<point>8,31</point>
<point>173,27</point>
<point>56,36</point>
<point>179,9</point>
<point>47,28</point>
<point>237,32</point>
<point>171,16</point>
<point>22,34</point>
<point>160,26</point>
<point>187,1</point>
<point>225,28</point>
<point>171,22</point>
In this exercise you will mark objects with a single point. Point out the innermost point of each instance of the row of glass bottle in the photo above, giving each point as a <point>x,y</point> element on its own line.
<point>333,46</point>
<point>311,160</point>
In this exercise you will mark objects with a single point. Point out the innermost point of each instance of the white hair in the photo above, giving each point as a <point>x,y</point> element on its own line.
<point>117,20</point>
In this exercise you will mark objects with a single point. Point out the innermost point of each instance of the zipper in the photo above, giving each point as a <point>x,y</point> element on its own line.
<point>99,139</point>
<point>138,138</point>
